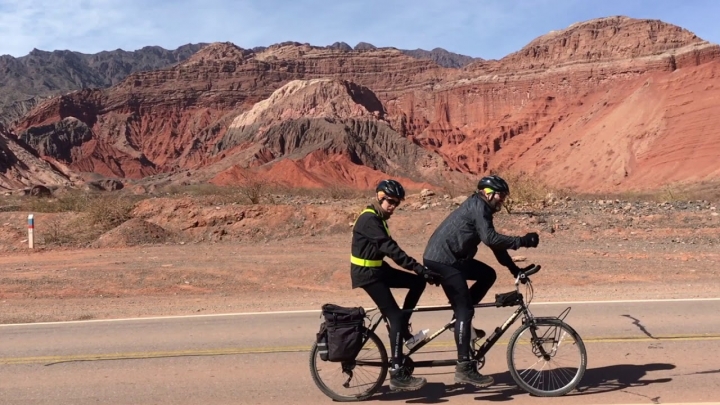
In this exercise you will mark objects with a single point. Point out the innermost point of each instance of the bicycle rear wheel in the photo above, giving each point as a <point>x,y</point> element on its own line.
<point>355,380</point>
<point>535,361</point>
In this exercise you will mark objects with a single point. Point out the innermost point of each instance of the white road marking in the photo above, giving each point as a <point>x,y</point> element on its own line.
<point>317,311</point>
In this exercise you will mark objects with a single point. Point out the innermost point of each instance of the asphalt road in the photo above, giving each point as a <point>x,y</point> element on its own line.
<point>638,353</point>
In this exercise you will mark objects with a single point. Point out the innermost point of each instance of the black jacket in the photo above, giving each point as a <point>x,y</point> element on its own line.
<point>457,238</point>
<point>372,241</point>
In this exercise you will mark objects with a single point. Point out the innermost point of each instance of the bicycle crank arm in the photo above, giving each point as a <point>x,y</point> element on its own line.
<point>435,363</point>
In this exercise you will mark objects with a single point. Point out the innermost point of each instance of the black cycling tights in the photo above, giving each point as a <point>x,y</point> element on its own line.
<point>380,293</point>
<point>463,298</point>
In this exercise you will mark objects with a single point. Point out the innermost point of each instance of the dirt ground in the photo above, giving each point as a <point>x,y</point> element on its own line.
<point>181,256</point>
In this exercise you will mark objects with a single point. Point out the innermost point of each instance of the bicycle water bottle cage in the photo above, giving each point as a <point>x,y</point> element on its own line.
<point>508,299</point>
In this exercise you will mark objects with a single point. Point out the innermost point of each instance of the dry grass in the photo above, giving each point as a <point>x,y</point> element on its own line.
<point>93,213</point>
<point>55,232</point>
<point>216,195</point>
<point>97,213</point>
<point>333,192</point>
<point>675,192</point>
<point>525,190</point>
<point>454,184</point>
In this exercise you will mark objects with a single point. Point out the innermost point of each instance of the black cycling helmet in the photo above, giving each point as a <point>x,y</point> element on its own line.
<point>495,183</point>
<point>391,188</point>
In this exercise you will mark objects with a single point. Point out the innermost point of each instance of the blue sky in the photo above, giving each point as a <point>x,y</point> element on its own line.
<point>488,29</point>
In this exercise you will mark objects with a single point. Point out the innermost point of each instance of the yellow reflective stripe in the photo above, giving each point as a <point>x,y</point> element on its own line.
<point>373,212</point>
<point>365,263</point>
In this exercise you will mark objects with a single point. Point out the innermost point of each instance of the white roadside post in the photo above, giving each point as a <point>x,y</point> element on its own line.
<point>31,231</point>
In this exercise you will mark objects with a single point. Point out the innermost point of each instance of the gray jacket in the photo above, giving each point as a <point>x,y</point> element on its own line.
<point>457,238</point>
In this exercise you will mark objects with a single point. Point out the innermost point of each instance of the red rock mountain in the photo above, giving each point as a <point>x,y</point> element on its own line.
<point>21,168</point>
<point>607,103</point>
<point>314,133</point>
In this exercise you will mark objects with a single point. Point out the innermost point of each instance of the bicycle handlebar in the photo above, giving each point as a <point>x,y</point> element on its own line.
<point>523,275</point>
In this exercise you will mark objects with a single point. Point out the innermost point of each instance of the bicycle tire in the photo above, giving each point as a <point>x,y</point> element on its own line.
<point>374,387</point>
<point>562,390</point>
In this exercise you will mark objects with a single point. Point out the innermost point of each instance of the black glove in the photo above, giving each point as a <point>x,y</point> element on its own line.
<point>530,240</point>
<point>430,276</point>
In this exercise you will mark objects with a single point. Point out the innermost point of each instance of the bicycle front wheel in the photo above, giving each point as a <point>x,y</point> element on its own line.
<point>536,362</point>
<point>355,380</point>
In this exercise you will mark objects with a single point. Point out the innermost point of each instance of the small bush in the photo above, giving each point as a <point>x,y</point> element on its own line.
<point>254,188</point>
<point>72,201</point>
<point>109,211</point>
<point>55,232</point>
<point>340,192</point>
<point>453,184</point>
<point>524,190</point>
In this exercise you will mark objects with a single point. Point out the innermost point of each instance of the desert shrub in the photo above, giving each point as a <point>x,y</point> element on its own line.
<point>55,232</point>
<point>254,188</point>
<point>524,189</point>
<point>109,211</point>
<point>199,189</point>
<point>343,192</point>
<point>339,192</point>
<point>71,201</point>
<point>455,188</point>
<point>95,213</point>
<point>453,184</point>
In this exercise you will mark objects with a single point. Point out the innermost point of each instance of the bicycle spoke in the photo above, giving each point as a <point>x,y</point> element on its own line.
<point>543,369</point>
<point>361,378</point>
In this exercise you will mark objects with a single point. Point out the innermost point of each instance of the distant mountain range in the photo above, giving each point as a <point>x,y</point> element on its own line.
<point>27,80</point>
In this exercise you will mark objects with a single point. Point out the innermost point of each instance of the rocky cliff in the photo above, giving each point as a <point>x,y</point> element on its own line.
<point>20,167</point>
<point>568,106</point>
<point>331,129</point>
<point>604,103</point>
<point>170,119</point>
<point>39,75</point>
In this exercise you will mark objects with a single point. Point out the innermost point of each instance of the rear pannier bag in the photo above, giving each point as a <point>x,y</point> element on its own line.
<point>341,335</point>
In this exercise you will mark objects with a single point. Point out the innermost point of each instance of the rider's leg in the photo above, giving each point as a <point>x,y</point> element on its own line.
<point>457,292</point>
<point>400,378</point>
<point>456,289</point>
<point>483,275</point>
<point>380,293</point>
<point>415,284</point>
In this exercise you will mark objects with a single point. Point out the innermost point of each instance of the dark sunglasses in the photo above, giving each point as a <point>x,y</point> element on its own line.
<point>392,201</point>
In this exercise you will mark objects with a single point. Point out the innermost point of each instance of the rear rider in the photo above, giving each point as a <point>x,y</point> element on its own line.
<point>371,242</point>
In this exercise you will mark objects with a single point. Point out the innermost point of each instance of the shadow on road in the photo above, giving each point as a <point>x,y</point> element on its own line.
<point>595,381</point>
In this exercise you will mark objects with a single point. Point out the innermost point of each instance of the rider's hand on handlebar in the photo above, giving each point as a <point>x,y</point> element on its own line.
<point>432,280</point>
<point>430,276</point>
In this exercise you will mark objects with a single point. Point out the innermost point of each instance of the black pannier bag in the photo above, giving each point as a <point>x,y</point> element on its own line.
<point>322,342</point>
<point>341,334</point>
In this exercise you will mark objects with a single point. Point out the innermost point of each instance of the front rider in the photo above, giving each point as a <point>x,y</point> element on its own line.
<point>371,242</point>
<point>450,252</point>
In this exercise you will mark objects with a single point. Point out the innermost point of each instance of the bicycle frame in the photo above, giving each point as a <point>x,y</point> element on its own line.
<point>517,299</point>
<point>545,339</point>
